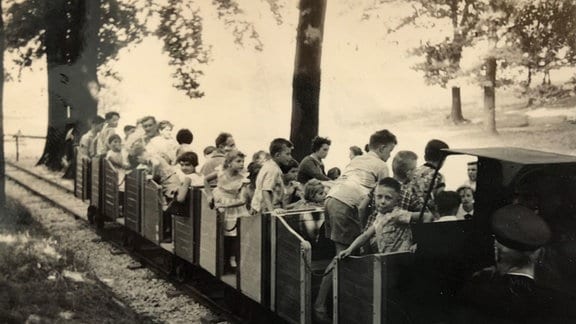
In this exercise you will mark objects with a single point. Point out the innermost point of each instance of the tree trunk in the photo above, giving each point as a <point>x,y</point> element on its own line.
<point>306,79</point>
<point>456,112</point>
<point>490,97</point>
<point>2,162</point>
<point>71,40</point>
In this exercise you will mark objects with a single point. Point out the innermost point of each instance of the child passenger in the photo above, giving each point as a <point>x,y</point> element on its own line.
<point>227,196</point>
<point>392,224</point>
<point>447,203</point>
<point>314,197</point>
<point>466,209</point>
<point>188,162</point>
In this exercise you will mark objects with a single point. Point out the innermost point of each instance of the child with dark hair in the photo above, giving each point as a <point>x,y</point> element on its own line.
<point>447,203</point>
<point>355,151</point>
<point>248,192</point>
<point>109,128</point>
<point>208,151</point>
<point>269,191</point>
<point>392,225</point>
<point>129,130</point>
<point>184,137</point>
<point>87,144</point>
<point>114,154</point>
<point>292,188</point>
<point>334,173</point>
<point>466,208</point>
<point>424,174</point>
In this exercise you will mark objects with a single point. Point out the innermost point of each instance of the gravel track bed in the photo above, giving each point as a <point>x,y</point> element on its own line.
<point>140,289</point>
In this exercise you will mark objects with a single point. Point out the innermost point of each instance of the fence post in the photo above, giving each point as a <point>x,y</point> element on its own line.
<point>17,136</point>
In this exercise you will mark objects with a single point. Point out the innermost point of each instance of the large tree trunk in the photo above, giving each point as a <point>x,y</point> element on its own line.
<point>306,80</point>
<point>456,112</point>
<point>71,40</point>
<point>2,161</point>
<point>490,97</point>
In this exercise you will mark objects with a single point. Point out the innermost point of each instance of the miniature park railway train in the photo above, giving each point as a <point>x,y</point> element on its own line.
<point>280,266</point>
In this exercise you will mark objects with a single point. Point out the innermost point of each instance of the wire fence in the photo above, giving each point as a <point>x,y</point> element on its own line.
<point>19,140</point>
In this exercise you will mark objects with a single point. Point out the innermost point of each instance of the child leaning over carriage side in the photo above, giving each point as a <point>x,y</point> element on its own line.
<point>228,196</point>
<point>392,224</point>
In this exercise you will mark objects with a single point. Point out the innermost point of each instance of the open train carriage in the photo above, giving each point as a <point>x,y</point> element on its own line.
<point>282,258</point>
<point>421,287</point>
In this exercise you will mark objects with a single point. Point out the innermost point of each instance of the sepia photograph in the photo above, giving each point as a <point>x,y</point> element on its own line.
<point>288,161</point>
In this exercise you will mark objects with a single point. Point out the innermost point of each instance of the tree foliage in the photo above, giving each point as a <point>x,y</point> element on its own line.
<point>545,33</point>
<point>127,22</point>
<point>181,31</point>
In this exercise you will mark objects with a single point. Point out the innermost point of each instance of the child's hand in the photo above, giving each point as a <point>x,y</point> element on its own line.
<point>344,254</point>
<point>278,211</point>
<point>427,218</point>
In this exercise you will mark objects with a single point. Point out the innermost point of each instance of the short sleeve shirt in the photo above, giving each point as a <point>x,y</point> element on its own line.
<point>358,179</point>
<point>86,143</point>
<point>393,236</point>
<point>269,179</point>
<point>421,181</point>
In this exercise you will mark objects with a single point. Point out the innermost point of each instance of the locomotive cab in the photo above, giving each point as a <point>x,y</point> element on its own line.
<point>421,287</point>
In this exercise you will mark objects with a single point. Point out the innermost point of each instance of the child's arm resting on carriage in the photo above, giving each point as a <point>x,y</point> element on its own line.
<point>358,242</point>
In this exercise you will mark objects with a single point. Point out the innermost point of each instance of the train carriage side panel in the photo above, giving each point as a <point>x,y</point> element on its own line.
<point>133,199</point>
<point>210,240</point>
<point>376,288</point>
<point>152,213</point>
<point>291,276</point>
<point>86,177</point>
<point>354,290</point>
<point>79,176</point>
<point>251,260</point>
<point>110,198</point>
<point>184,235</point>
<point>95,195</point>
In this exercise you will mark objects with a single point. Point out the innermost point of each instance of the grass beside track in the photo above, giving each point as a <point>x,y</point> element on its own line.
<point>42,284</point>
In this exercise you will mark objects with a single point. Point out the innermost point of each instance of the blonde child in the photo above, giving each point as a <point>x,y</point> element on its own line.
<point>314,197</point>
<point>228,196</point>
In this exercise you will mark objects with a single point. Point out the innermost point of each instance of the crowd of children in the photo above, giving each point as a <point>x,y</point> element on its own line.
<point>362,202</point>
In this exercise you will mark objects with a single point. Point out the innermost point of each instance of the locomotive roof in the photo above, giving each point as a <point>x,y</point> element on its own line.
<point>516,155</point>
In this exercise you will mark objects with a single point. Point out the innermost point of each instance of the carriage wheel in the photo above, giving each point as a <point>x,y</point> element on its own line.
<point>90,213</point>
<point>181,272</point>
<point>131,242</point>
<point>99,221</point>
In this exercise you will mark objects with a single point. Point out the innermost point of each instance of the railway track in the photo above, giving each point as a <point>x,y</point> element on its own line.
<point>201,287</point>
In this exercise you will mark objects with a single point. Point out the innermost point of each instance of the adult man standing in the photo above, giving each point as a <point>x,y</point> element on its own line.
<point>351,190</point>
